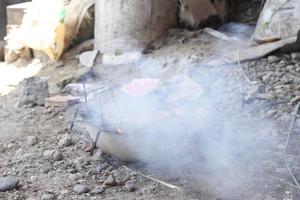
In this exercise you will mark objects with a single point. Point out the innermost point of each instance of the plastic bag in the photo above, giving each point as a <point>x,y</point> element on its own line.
<point>49,26</point>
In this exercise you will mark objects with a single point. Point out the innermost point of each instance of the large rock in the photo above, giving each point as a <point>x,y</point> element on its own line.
<point>278,20</point>
<point>8,183</point>
<point>33,91</point>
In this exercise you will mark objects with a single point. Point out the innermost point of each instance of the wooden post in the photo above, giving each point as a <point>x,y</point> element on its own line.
<point>131,24</point>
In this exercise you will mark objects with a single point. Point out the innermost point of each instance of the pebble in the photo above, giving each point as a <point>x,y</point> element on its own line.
<point>57,156</point>
<point>273,59</point>
<point>10,145</point>
<point>80,189</point>
<point>32,140</point>
<point>295,56</point>
<point>130,186</point>
<point>8,183</point>
<point>98,190</point>
<point>73,177</point>
<point>101,167</point>
<point>47,197</point>
<point>110,181</point>
<point>66,141</point>
<point>48,153</point>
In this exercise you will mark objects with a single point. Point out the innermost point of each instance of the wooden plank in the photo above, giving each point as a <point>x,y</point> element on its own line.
<point>61,101</point>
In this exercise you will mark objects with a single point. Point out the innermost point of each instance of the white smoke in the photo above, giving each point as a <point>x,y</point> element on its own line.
<point>209,135</point>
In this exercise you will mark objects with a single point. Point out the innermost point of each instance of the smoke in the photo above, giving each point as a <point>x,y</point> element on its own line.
<point>193,123</point>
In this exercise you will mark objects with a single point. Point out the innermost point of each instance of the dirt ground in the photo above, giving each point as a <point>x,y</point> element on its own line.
<point>270,99</point>
<point>36,148</point>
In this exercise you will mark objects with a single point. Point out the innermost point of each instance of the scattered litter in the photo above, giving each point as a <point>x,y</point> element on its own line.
<point>121,58</point>
<point>50,28</point>
<point>250,53</point>
<point>61,101</point>
<point>186,88</point>
<point>291,130</point>
<point>226,38</point>
<point>88,58</point>
<point>140,87</point>
<point>153,179</point>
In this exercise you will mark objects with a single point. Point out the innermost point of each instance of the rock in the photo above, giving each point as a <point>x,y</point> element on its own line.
<point>110,181</point>
<point>72,170</point>
<point>101,167</point>
<point>273,59</point>
<point>295,56</point>
<point>47,197</point>
<point>295,100</point>
<point>32,140</point>
<point>130,186</point>
<point>57,156</point>
<point>266,77</point>
<point>80,189</point>
<point>48,153</point>
<point>32,91</point>
<point>8,183</point>
<point>73,177</point>
<point>66,141</point>
<point>98,190</point>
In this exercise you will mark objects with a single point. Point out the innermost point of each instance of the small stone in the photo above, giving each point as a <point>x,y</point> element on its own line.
<point>11,145</point>
<point>130,186</point>
<point>8,183</point>
<point>273,59</point>
<point>32,140</point>
<point>48,153</point>
<point>66,141</point>
<point>110,181</point>
<point>72,170</point>
<point>57,156</point>
<point>98,190</point>
<point>47,197</point>
<point>80,189</point>
<point>101,167</point>
<point>73,177</point>
<point>295,56</point>
<point>63,192</point>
